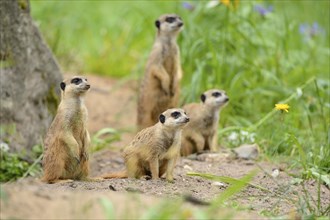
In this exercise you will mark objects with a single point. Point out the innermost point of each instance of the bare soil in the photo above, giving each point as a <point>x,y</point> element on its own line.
<point>112,103</point>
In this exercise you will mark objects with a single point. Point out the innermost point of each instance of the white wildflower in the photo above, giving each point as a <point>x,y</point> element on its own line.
<point>212,3</point>
<point>4,147</point>
<point>233,136</point>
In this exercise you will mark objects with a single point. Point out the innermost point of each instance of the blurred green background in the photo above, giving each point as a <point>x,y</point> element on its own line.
<point>260,52</point>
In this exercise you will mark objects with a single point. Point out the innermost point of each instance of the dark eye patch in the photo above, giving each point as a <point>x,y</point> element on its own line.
<point>216,94</point>
<point>175,114</point>
<point>170,19</point>
<point>76,81</point>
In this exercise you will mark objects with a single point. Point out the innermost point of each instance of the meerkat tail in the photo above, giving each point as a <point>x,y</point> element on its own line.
<point>116,175</point>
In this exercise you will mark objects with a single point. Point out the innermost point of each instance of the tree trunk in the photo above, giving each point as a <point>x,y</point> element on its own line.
<point>29,78</point>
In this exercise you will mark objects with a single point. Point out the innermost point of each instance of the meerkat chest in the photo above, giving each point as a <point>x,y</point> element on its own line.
<point>170,146</point>
<point>210,124</point>
<point>170,59</point>
<point>78,118</point>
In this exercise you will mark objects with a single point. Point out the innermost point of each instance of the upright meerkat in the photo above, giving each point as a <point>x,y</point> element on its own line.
<point>160,86</point>
<point>155,149</point>
<point>201,133</point>
<point>67,140</point>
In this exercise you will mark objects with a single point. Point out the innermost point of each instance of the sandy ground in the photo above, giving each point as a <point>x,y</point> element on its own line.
<point>112,103</point>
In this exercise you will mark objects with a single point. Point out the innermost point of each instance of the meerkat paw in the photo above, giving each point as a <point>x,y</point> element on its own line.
<point>170,179</point>
<point>155,178</point>
<point>145,177</point>
<point>58,181</point>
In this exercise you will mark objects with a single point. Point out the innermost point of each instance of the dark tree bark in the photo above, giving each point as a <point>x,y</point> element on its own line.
<point>29,78</point>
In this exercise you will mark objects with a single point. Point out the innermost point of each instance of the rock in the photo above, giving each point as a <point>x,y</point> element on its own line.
<point>219,184</point>
<point>73,185</point>
<point>247,151</point>
<point>187,167</point>
<point>275,172</point>
<point>112,188</point>
<point>30,79</point>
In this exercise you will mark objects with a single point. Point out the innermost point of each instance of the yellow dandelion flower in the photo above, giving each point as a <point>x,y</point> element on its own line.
<point>282,107</point>
<point>230,3</point>
<point>225,2</point>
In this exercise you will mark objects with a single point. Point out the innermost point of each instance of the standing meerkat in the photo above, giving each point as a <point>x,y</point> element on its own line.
<point>201,133</point>
<point>67,140</point>
<point>155,149</point>
<point>160,86</point>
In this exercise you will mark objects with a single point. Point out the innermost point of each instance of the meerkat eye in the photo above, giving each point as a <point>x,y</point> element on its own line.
<point>76,81</point>
<point>216,94</point>
<point>175,114</point>
<point>170,19</point>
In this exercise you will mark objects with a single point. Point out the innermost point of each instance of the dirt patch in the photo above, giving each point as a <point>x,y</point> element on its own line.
<point>113,104</point>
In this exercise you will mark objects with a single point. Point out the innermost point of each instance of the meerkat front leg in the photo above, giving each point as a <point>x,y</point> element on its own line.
<point>73,145</point>
<point>154,168</point>
<point>160,73</point>
<point>213,142</point>
<point>170,168</point>
<point>85,148</point>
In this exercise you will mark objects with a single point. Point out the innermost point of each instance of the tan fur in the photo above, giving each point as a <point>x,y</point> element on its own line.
<point>67,140</point>
<point>160,86</point>
<point>201,133</point>
<point>154,150</point>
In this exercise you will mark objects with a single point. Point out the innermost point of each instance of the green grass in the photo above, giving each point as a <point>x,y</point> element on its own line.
<point>258,60</point>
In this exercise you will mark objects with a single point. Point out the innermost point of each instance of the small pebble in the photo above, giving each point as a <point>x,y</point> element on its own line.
<point>218,184</point>
<point>73,185</point>
<point>275,172</point>
<point>111,187</point>
<point>187,167</point>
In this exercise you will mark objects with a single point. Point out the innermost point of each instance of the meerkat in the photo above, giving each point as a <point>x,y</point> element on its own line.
<point>160,89</point>
<point>155,149</point>
<point>66,143</point>
<point>201,133</point>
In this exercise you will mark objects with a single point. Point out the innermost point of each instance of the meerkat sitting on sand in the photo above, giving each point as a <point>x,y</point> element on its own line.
<point>66,143</point>
<point>201,133</point>
<point>160,87</point>
<point>155,149</point>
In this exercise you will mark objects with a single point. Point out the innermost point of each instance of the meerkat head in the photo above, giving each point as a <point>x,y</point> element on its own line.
<point>76,86</point>
<point>174,117</point>
<point>214,98</point>
<point>169,24</point>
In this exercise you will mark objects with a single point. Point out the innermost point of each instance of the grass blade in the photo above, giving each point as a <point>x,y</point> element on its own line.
<point>226,179</point>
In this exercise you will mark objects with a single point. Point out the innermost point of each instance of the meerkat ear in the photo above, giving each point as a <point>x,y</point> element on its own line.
<point>157,23</point>
<point>162,118</point>
<point>203,97</point>
<point>62,85</point>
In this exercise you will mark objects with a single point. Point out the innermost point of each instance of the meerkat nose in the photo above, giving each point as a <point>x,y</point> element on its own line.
<point>187,119</point>
<point>180,24</point>
<point>227,99</point>
<point>88,86</point>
